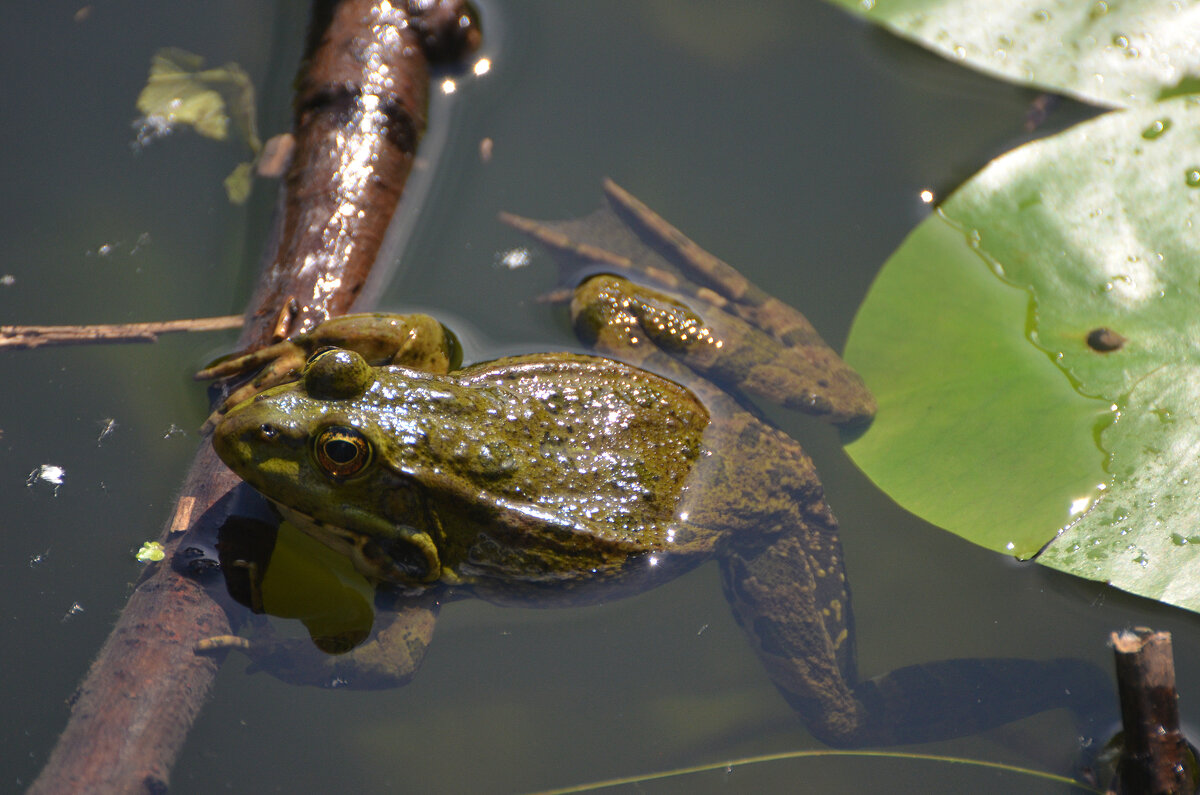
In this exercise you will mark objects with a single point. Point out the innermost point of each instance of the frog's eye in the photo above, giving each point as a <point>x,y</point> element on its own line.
<point>337,374</point>
<point>341,451</point>
<point>318,353</point>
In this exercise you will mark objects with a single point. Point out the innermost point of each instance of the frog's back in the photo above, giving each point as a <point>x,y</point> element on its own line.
<point>602,444</point>
<point>579,467</point>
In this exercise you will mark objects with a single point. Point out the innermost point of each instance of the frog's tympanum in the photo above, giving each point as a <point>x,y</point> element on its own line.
<point>559,479</point>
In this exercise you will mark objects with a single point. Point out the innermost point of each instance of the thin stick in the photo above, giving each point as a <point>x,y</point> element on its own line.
<point>24,337</point>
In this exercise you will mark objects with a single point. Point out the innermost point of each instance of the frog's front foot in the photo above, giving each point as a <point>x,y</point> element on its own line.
<point>276,364</point>
<point>388,658</point>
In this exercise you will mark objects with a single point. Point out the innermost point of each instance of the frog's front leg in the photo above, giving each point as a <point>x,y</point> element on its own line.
<point>416,341</point>
<point>635,323</point>
<point>388,658</point>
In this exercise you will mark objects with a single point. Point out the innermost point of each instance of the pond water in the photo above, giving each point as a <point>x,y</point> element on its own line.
<point>788,138</point>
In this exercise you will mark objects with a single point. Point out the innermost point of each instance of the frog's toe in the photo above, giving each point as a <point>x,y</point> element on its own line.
<point>285,356</point>
<point>231,365</point>
<point>219,643</point>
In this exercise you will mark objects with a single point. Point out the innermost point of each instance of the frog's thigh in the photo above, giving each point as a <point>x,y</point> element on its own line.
<point>803,637</point>
<point>388,658</point>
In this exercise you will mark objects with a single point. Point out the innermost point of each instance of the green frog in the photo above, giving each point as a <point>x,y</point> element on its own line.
<point>561,479</point>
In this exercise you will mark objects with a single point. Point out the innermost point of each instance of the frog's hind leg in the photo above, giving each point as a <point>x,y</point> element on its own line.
<point>721,284</point>
<point>793,625</point>
<point>643,326</point>
<point>796,613</point>
<point>388,658</point>
<point>628,238</point>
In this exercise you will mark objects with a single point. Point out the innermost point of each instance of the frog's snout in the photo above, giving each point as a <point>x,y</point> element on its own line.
<point>246,435</point>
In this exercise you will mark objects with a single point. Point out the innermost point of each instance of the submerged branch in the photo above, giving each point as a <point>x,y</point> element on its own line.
<point>131,715</point>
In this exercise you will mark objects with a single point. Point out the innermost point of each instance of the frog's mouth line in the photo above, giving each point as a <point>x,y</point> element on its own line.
<point>406,556</point>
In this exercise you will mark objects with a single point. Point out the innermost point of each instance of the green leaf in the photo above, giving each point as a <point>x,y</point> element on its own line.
<point>150,552</point>
<point>239,182</point>
<point>941,342</point>
<point>1116,53</point>
<point>975,341</point>
<point>180,91</point>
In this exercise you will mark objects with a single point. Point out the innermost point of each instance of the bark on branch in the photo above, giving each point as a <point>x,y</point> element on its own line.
<point>1157,759</point>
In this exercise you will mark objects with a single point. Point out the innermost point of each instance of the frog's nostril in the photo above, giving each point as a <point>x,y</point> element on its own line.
<point>268,431</point>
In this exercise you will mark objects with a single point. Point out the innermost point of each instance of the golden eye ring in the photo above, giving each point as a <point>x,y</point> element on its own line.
<point>341,451</point>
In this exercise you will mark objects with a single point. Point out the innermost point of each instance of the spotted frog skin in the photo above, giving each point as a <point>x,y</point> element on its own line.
<point>560,479</point>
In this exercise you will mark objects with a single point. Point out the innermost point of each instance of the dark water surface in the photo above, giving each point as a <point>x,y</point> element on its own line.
<point>789,139</point>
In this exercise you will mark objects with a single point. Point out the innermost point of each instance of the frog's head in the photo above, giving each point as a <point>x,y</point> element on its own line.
<point>319,449</point>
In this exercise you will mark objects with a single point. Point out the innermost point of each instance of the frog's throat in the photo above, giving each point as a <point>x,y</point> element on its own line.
<point>405,555</point>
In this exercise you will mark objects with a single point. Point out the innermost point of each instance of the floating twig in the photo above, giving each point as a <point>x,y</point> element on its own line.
<point>23,337</point>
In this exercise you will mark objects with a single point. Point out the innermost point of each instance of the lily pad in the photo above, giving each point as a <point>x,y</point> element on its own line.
<point>998,419</point>
<point>1119,53</point>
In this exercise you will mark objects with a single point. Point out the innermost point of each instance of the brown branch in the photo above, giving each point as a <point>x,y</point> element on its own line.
<point>22,337</point>
<point>1157,759</point>
<point>130,716</point>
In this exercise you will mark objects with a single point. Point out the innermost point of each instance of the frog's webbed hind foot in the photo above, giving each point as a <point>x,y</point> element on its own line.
<point>953,698</point>
<point>388,658</point>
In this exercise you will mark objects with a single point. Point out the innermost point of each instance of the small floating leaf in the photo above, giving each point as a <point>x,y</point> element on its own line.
<point>151,552</point>
<point>180,91</point>
<point>239,182</point>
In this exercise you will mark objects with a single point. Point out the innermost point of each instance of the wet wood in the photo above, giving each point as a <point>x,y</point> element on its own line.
<point>359,114</point>
<point>355,139</point>
<point>21,337</point>
<point>1157,758</point>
